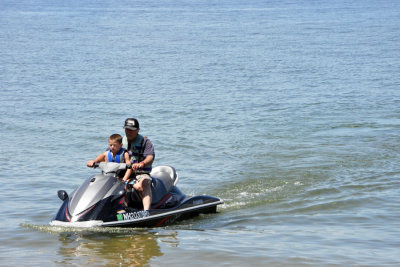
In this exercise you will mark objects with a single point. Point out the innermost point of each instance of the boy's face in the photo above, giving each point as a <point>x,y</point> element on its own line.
<point>114,146</point>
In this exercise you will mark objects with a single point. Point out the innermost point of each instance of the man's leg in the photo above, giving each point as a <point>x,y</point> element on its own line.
<point>146,194</point>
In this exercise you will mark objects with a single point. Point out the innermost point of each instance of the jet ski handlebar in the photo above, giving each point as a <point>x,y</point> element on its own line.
<point>112,166</point>
<point>141,172</point>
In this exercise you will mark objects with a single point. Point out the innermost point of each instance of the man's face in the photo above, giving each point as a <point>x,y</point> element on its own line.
<point>131,134</point>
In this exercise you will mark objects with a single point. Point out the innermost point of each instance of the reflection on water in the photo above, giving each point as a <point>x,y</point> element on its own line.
<point>109,246</point>
<point>110,249</point>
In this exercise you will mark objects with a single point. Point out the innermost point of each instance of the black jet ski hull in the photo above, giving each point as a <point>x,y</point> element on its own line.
<point>102,201</point>
<point>189,208</point>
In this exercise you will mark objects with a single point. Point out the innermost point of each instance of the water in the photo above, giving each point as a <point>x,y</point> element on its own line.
<point>287,110</point>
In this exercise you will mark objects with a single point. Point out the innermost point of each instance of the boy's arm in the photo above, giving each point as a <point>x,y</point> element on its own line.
<point>128,171</point>
<point>127,175</point>
<point>99,158</point>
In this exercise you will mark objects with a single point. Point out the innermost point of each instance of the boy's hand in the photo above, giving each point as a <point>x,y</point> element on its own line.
<point>138,187</point>
<point>90,163</point>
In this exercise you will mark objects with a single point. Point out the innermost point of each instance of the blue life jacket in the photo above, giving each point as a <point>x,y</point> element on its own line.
<point>119,158</point>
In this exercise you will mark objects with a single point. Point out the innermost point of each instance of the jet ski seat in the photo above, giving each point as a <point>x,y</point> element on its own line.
<point>164,178</point>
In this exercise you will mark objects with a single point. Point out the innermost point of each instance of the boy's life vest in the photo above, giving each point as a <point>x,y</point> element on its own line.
<point>119,157</point>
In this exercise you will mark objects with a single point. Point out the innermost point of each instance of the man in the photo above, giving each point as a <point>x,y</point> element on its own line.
<point>142,156</point>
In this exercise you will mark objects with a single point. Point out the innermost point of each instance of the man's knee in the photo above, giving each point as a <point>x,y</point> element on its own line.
<point>146,183</point>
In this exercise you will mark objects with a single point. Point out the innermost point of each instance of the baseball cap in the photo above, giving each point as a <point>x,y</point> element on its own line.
<point>131,123</point>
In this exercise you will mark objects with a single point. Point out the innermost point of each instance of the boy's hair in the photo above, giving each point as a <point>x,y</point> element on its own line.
<point>116,137</point>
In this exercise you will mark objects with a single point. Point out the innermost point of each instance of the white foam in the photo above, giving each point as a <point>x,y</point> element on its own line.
<point>77,224</point>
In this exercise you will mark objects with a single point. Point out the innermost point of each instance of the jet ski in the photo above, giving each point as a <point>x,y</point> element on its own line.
<point>103,201</point>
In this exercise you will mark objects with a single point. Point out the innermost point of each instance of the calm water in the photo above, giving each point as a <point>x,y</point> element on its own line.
<point>288,110</point>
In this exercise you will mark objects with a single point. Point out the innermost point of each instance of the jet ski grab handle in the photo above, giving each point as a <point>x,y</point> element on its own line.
<point>105,166</point>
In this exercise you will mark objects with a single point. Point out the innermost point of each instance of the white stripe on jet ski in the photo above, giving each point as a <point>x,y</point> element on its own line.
<point>162,214</point>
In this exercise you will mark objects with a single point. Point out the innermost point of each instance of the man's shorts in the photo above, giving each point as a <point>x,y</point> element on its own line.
<point>142,177</point>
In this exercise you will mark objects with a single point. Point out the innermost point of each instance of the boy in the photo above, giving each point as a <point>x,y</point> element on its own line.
<point>115,154</point>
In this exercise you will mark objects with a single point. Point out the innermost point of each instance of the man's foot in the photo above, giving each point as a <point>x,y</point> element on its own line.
<point>145,213</point>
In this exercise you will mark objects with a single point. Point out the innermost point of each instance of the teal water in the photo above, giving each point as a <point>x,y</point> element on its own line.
<point>289,111</point>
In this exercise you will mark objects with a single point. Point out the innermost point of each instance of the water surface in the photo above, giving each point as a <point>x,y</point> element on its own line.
<point>288,111</point>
